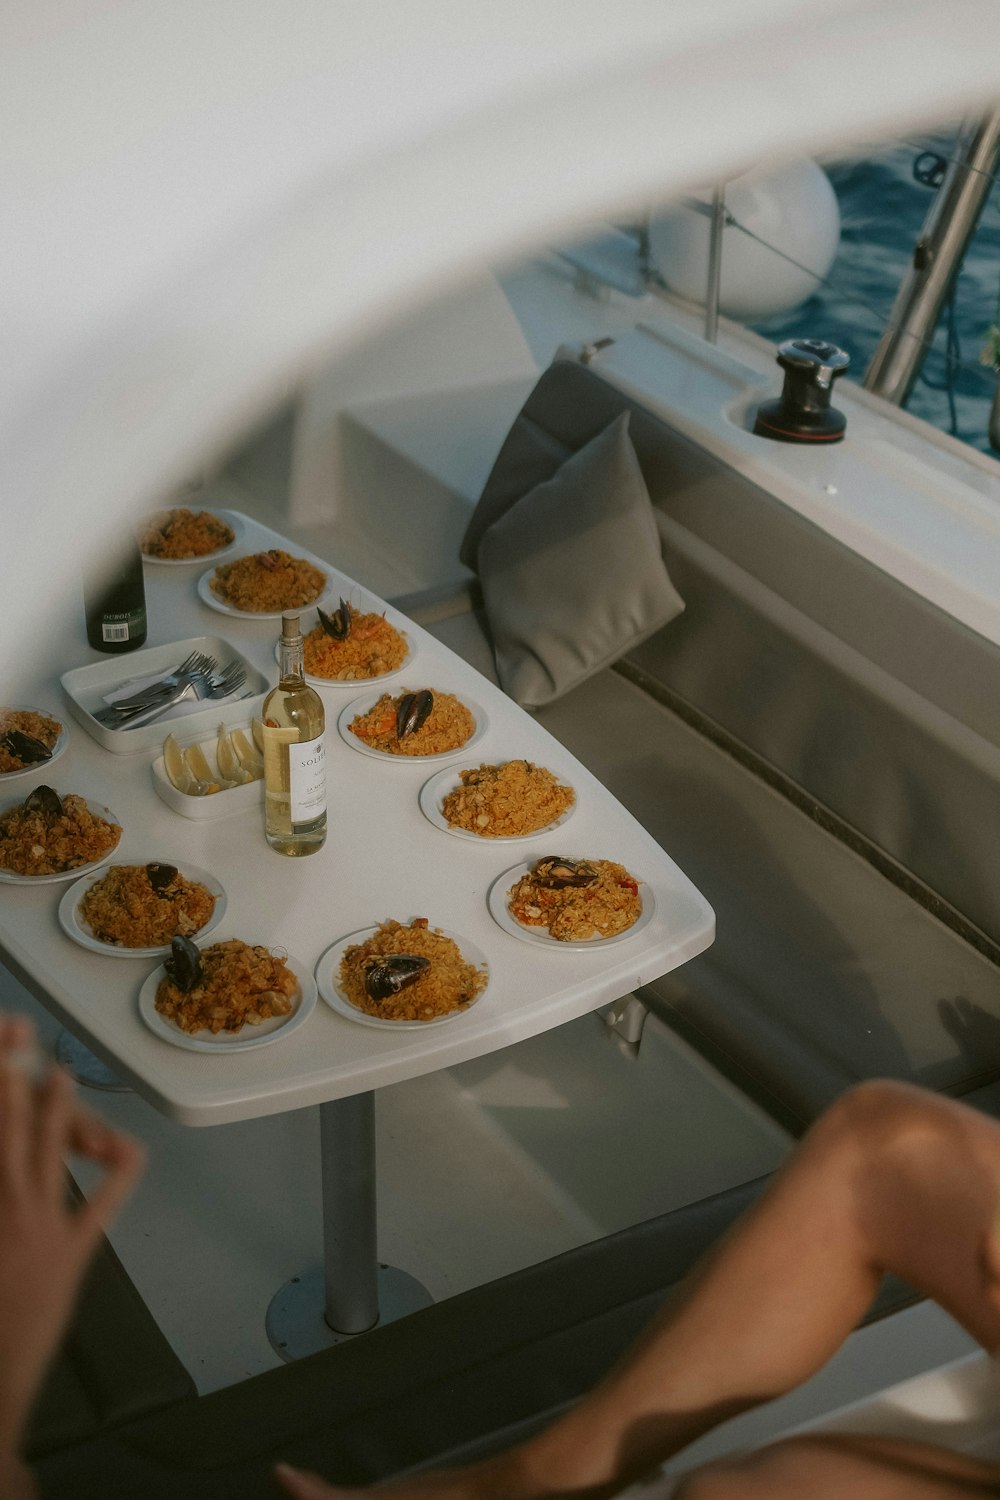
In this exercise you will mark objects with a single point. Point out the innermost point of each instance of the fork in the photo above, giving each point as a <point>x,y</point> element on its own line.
<point>197,664</point>
<point>231,677</point>
<point>156,695</point>
<point>229,680</point>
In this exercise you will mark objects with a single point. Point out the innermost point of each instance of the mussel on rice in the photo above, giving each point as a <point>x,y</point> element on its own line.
<point>44,800</point>
<point>337,624</point>
<point>389,973</point>
<point>28,750</point>
<point>413,711</point>
<point>183,967</point>
<point>161,877</point>
<point>555,873</point>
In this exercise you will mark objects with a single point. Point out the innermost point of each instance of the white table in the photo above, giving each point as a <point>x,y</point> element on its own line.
<point>382,858</point>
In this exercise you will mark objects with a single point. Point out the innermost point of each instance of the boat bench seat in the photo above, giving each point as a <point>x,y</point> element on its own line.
<point>448,1383</point>
<point>819,748</point>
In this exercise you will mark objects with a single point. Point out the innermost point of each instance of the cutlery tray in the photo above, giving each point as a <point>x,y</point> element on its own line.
<point>84,689</point>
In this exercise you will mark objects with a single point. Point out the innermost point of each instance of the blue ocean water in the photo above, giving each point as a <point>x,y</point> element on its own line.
<point>883,208</point>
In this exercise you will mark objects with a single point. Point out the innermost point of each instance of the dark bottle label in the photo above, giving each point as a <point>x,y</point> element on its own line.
<point>122,629</point>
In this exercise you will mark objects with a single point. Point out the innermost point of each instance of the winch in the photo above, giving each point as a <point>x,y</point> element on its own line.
<point>802,413</point>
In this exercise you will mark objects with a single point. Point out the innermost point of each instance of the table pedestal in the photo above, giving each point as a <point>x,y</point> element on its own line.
<point>351,1293</point>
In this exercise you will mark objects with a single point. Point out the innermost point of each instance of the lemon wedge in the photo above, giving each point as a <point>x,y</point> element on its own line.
<point>197,764</point>
<point>225,754</point>
<point>176,767</point>
<point>250,757</point>
<point>208,779</point>
<point>230,765</point>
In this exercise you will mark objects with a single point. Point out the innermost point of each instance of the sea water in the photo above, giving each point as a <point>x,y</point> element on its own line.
<point>883,208</point>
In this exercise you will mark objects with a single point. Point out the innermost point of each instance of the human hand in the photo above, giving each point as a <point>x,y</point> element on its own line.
<point>45,1241</point>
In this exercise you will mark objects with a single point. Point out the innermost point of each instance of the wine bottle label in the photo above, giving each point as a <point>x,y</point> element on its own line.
<point>307,779</point>
<point>122,627</point>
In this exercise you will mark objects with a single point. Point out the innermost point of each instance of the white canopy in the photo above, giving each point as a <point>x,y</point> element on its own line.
<point>203,198</point>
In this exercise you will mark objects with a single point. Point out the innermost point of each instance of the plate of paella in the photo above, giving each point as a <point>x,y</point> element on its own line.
<point>565,902</point>
<point>226,996</point>
<point>134,911</point>
<point>402,976</point>
<point>48,838</point>
<point>412,725</point>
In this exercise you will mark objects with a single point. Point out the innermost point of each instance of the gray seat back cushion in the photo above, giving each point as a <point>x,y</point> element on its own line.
<point>572,573</point>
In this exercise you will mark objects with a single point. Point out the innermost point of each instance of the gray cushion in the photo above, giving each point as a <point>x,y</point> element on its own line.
<point>572,573</point>
<point>529,455</point>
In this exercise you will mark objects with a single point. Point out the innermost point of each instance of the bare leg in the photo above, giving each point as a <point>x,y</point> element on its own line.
<point>45,1246</point>
<point>890,1179</point>
<point>830,1467</point>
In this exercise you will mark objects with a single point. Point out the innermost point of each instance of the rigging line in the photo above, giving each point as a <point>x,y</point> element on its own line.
<point>846,294</point>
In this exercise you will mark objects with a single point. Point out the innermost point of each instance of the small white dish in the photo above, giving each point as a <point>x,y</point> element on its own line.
<point>231,519</point>
<point>434,791</point>
<point>304,1003</point>
<point>368,700</point>
<point>206,595</point>
<point>62,740</point>
<point>10,877</point>
<point>496,900</point>
<point>355,682</point>
<point>328,969</point>
<point>75,925</point>
<point>233,799</point>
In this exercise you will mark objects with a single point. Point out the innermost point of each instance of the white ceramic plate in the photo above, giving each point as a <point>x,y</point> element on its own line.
<point>206,595</point>
<point>75,925</point>
<point>62,739</point>
<point>354,682</point>
<point>367,700</point>
<point>304,1003</point>
<point>434,791</point>
<point>231,520</point>
<point>328,969</point>
<point>501,913</point>
<point>10,877</point>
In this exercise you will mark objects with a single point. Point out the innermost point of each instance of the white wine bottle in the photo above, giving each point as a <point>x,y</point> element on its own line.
<point>293,725</point>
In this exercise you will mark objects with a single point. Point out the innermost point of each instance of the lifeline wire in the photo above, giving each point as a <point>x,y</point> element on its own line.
<point>848,295</point>
<point>952,355</point>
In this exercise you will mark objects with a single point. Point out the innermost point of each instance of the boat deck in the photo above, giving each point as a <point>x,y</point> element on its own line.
<point>482,1169</point>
